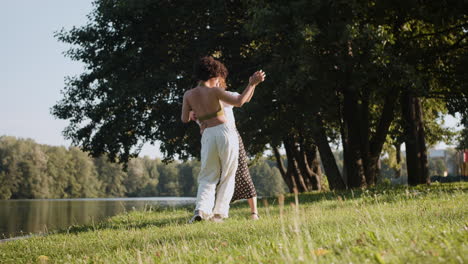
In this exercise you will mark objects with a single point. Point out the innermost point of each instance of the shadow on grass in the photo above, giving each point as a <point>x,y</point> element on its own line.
<point>165,217</point>
<point>386,193</point>
<point>128,220</point>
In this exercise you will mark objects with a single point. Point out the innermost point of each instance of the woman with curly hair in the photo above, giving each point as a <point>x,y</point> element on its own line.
<point>220,145</point>
<point>244,187</point>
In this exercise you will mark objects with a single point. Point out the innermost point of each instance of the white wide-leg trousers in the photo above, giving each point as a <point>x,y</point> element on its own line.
<point>219,158</point>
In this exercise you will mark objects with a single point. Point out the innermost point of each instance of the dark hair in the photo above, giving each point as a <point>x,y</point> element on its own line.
<point>207,67</point>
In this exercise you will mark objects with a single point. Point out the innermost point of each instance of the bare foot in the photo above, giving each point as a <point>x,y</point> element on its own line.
<point>217,219</point>
<point>255,216</point>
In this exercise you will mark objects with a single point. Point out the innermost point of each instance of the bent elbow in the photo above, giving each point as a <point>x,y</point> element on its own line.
<point>240,102</point>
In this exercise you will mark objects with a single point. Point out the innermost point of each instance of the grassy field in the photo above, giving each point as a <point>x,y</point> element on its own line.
<point>426,224</point>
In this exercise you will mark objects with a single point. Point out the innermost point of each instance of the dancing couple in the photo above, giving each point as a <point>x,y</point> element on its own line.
<point>224,174</point>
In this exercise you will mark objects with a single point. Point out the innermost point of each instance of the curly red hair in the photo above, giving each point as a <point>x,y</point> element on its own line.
<point>208,67</point>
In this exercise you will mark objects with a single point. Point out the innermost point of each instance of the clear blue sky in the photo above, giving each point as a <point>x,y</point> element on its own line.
<point>32,67</point>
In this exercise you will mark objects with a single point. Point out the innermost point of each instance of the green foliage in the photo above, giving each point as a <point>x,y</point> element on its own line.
<point>137,177</point>
<point>139,59</point>
<point>437,167</point>
<point>426,224</point>
<point>325,60</point>
<point>58,171</point>
<point>267,178</point>
<point>30,170</point>
<point>188,172</point>
<point>22,169</point>
<point>168,180</point>
<point>434,113</point>
<point>463,137</point>
<point>84,181</point>
<point>111,176</point>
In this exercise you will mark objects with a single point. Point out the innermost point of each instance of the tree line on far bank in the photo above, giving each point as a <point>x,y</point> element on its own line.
<point>30,170</point>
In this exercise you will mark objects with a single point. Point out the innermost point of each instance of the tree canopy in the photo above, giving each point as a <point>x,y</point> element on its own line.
<point>356,72</point>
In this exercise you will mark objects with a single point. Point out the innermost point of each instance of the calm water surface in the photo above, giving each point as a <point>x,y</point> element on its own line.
<point>23,217</point>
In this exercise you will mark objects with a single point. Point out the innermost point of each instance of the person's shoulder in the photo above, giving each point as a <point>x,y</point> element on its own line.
<point>217,90</point>
<point>189,92</point>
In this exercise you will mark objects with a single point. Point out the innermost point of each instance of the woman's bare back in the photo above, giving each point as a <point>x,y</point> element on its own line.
<point>204,101</point>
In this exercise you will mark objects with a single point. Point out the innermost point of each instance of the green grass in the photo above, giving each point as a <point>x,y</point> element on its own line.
<point>381,225</point>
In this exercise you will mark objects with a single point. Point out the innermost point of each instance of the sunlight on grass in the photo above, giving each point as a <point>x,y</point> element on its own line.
<point>381,225</point>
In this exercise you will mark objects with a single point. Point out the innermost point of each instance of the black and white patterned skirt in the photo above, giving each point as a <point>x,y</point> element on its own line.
<point>244,188</point>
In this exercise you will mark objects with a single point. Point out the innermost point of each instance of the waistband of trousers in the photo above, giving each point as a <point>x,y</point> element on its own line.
<point>220,126</point>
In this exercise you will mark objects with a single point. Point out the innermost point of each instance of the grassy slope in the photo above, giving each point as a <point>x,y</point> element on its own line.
<point>384,225</point>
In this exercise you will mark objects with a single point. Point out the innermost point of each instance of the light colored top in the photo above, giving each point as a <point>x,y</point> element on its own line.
<point>228,113</point>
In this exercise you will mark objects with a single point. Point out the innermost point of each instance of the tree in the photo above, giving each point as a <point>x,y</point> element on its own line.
<point>168,180</point>
<point>23,169</point>
<point>9,171</point>
<point>334,64</point>
<point>437,167</point>
<point>83,181</point>
<point>267,179</point>
<point>428,35</point>
<point>111,176</point>
<point>57,171</point>
<point>151,167</point>
<point>137,177</point>
<point>188,174</point>
<point>139,57</point>
<point>34,182</point>
<point>340,70</point>
<point>463,137</point>
<point>367,56</point>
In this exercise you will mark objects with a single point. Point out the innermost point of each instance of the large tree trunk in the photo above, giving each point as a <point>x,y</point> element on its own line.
<point>291,174</point>
<point>314,161</point>
<point>283,171</point>
<point>422,144</point>
<point>379,137</point>
<point>335,181</point>
<point>293,166</point>
<point>416,152</point>
<point>306,155</point>
<point>303,171</point>
<point>361,149</point>
<point>364,133</point>
<point>311,178</point>
<point>398,160</point>
<point>353,159</point>
<point>411,138</point>
<point>344,144</point>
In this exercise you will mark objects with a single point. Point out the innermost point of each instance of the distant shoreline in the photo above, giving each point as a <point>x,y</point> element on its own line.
<point>159,198</point>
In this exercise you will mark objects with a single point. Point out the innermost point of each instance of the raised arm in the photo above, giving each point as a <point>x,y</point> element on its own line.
<point>250,80</point>
<point>185,117</point>
<point>251,94</point>
<point>239,100</point>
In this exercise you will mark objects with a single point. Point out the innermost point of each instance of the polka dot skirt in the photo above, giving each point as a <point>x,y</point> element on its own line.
<point>244,188</point>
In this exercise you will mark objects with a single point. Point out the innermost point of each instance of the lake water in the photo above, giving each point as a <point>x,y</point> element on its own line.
<point>23,217</point>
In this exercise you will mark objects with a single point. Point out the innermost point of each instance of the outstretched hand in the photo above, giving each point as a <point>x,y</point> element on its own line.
<point>257,77</point>
<point>192,116</point>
